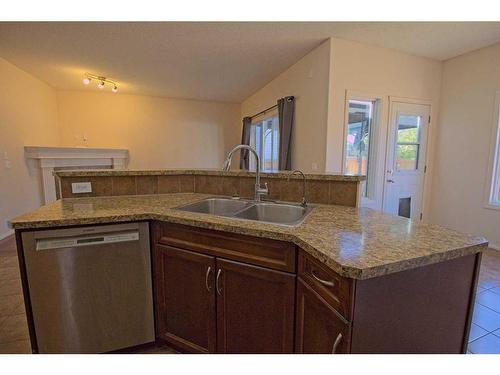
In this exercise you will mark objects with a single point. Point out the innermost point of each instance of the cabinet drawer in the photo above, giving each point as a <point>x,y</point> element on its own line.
<point>265,252</point>
<point>335,289</point>
<point>319,328</point>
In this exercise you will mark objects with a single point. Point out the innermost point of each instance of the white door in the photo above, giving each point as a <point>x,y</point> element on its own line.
<point>405,166</point>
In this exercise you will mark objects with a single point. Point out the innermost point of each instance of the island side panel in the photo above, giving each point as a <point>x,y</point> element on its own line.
<point>422,310</point>
<point>26,292</point>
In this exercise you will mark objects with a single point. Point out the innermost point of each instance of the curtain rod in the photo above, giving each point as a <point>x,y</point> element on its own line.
<point>268,109</point>
<point>264,111</point>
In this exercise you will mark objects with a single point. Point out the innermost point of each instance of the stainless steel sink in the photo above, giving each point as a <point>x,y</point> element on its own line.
<point>270,212</point>
<point>216,206</point>
<point>279,213</point>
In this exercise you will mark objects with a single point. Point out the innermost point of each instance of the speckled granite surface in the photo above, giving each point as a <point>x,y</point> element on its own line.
<point>355,242</point>
<point>207,172</point>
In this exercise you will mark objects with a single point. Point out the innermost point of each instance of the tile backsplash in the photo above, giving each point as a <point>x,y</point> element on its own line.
<point>343,193</point>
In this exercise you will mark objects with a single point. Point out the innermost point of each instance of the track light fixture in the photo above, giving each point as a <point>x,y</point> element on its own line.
<point>101,81</point>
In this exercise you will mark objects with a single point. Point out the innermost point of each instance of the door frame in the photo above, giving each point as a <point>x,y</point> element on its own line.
<point>378,143</point>
<point>404,100</point>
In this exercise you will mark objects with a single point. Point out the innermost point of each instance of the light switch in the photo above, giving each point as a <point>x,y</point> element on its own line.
<point>81,187</point>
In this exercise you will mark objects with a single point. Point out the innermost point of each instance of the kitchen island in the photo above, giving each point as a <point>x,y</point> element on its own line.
<point>380,283</point>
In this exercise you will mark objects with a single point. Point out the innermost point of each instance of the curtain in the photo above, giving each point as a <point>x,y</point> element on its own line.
<point>245,140</point>
<point>286,113</point>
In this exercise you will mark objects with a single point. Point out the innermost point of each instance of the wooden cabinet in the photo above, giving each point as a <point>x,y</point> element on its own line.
<point>319,327</point>
<point>334,289</point>
<point>185,299</point>
<point>230,293</point>
<point>206,303</point>
<point>255,309</point>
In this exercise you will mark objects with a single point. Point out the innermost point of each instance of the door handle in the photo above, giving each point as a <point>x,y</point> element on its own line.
<point>391,181</point>
<point>207,285</point>
<point>336,343</point>
<point>217,282</point>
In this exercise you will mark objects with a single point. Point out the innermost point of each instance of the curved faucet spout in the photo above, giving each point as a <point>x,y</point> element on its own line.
<point>227,166</point>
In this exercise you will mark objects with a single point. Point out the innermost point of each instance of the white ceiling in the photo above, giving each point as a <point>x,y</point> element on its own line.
<point>210,61</point>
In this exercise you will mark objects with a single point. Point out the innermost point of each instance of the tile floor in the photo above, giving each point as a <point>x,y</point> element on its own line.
<point>14,338</point>
<point>485,330</point>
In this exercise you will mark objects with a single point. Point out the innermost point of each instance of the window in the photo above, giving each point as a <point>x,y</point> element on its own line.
<point>264,137</point>
<point>494,188</point>
<point>408,142</point>
<point>359,143</point>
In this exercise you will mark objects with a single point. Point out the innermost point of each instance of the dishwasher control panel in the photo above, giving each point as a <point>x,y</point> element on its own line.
<point>95,239</point>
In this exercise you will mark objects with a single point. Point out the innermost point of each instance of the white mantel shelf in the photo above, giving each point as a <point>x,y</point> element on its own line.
<point>50,158</point>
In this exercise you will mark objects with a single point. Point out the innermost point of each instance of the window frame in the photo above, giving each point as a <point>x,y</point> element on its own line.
<point>492,187</point>
<point>260,120</point>
<point>373,152</point>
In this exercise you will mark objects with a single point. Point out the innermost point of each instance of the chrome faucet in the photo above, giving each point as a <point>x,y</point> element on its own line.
<point>259,190</point>
<point>303,202</point>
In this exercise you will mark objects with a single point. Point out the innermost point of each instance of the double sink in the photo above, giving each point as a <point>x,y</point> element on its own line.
<point>269,212</point>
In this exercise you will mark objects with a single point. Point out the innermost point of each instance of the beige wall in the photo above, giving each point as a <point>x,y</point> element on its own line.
<point>159,132</point>
<point>307,80</point>
<point>28,116</point>
<point>463,140</point>
<point>378,72</point>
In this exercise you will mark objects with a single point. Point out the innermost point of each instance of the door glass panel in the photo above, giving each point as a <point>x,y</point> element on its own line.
<point>358,142</point>
<point>407,157</point>
<point>409,129</point>
<point>408,142</point>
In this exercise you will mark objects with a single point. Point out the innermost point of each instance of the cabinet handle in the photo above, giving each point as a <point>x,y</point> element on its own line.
<point>324,282</point>
<point>206,278</point>
<point>217,282</point>
<point>336,343</point>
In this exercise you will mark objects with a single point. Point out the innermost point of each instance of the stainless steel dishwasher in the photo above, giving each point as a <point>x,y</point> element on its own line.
<point>90,287</point>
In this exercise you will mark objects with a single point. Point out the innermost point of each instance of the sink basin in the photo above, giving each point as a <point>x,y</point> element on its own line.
<point>278,213</point>
<point>216,206</point>
<point>269,212</point>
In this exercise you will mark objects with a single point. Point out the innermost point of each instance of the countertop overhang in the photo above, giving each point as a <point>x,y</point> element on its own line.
<point>358,243</point>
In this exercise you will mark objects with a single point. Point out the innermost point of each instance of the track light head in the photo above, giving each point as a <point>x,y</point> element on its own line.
<point>101,81</point>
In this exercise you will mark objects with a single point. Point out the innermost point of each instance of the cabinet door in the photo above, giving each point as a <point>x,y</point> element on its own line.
<point>255,309</point>
<point>185,299</point>
<point>320,329</point>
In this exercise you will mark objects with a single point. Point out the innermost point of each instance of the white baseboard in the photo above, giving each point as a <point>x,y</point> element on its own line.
<point>6,234</point>
<point>494,246</point>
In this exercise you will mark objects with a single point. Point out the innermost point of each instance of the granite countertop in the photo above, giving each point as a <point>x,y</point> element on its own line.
<point>360,243</point>
<point>204,172</point>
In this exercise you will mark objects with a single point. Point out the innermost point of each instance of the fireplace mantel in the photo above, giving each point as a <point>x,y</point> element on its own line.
<point>49,159</point>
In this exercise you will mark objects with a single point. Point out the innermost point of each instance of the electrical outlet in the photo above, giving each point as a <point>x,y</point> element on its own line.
<point>81,187</point>
<point>8,164</point>
<point>314,166</point>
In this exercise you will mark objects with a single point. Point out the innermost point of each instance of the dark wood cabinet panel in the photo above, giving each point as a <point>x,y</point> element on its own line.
<point>319,328</point>
<point>425,310</point>
<point>264,252</point>
<point>255,309</point>
<point>185,299</point>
